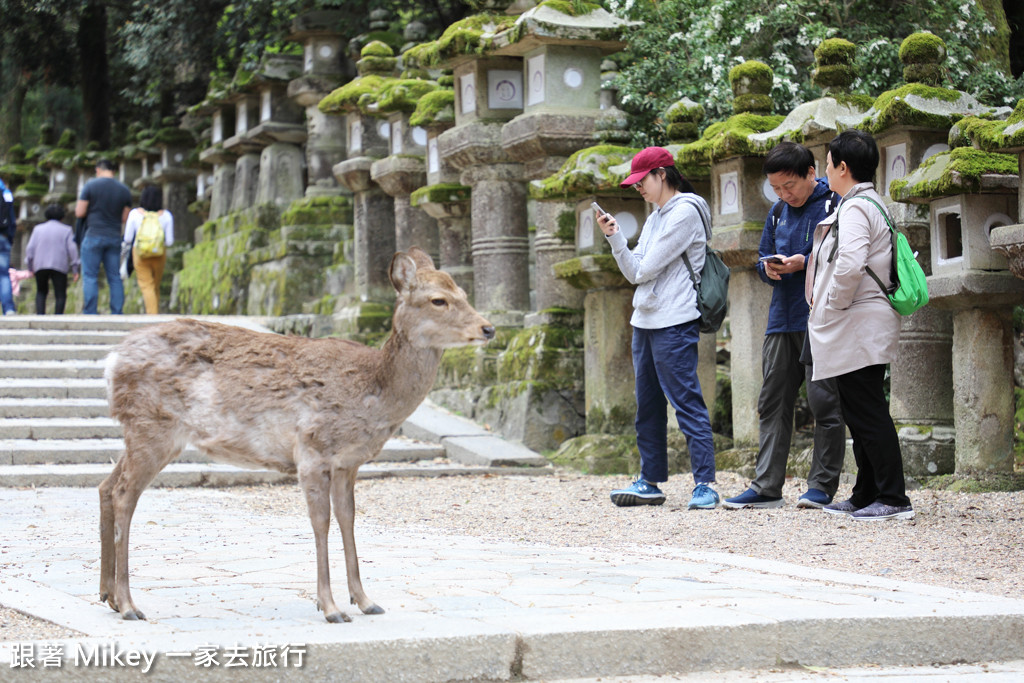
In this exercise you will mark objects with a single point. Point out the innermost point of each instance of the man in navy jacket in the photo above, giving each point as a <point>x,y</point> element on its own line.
<point>785,243</point>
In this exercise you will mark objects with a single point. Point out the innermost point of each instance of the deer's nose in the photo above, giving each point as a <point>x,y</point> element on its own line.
<point>488,331</point>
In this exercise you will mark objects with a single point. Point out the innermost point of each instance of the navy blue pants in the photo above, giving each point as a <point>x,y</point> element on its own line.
<point>665,363</point>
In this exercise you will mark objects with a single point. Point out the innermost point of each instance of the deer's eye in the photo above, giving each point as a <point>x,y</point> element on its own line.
<point>439,302</point>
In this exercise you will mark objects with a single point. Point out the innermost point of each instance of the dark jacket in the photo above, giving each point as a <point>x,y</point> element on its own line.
<point>8,220</point>
<point>794,234</point>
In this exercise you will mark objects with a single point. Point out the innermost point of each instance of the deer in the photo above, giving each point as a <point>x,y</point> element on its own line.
<point>314,408</point>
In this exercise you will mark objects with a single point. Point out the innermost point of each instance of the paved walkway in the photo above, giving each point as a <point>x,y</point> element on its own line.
<point>238,590</point>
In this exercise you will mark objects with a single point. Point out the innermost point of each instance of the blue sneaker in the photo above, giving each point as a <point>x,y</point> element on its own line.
<point>704,498</point>
<point>814,498</point>
<point>640,492</point>
<point>752,499</point>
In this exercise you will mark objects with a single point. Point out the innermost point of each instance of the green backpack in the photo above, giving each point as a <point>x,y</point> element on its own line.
<point>909,290</point>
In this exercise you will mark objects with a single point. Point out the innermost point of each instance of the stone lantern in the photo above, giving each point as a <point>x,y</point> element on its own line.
<point>246,149</point>
<point>63,184</point>
<point>374,213</point>
<point>488,93</point>
<point>815,123</point>
<point>175,177</point>
<point>443,197</point>
<point>324,69</point>
<point>222,123</point>
<point>562,80</point>
<point>969,193</point>
<point>403,170</point>
<point>739,206</point>
<point>281,129</point>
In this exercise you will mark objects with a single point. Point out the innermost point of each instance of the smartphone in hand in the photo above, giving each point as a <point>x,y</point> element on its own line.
<point>596,207</point>
<point>771,259</point>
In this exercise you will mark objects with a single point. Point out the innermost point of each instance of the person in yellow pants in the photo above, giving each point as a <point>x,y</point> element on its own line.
<point>149,269</point>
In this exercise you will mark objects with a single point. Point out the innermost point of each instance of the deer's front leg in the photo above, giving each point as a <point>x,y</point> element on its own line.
<point>343,484</point>
<point>317,485</point>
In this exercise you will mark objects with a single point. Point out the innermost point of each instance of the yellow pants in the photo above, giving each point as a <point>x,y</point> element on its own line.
<point>149,270</point>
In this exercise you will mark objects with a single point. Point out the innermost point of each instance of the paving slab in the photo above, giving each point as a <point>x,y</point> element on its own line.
<point>215,582</point>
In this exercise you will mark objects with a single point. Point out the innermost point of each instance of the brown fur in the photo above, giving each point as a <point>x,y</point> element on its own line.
<point>318,408</point>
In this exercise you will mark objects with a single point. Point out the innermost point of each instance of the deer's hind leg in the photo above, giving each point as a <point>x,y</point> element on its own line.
<point>343,483</point>
<point>141,461</point>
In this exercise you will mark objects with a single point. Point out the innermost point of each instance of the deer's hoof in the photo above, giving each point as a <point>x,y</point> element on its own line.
<point>133,615</point>
<point>374,609</point>
<point>338,617</point>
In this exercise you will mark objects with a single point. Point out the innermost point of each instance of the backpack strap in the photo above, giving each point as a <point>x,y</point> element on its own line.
<point>892,233</point>
<point>707,236</point>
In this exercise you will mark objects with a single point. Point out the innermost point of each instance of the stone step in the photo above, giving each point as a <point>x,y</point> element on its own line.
<point>215,474</point>
<point>55,369</point>
<point>49,407</point>
<point>36,337</point>
<point>52,352</point>
<point>66,388</point>
<point>102,451</point>
<point>113,323</point>
<point>39,428</point>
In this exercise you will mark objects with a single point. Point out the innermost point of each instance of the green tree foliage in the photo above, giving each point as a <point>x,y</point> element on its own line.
<point>686,48</point>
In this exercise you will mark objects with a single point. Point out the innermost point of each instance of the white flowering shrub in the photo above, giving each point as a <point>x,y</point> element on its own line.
<point>686,48</point>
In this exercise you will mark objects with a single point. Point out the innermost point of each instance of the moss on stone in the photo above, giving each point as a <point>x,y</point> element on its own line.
<point>587,171</point>
<point>436,106</point>
<point>472,35</point>
<point>974,482</point>
<point>751,77</point>
<point>573,272</point>
<point>756,104</point>
<point>347,97</point>
<point>828,76</point>
<point>957,171</point>
<point>571,8</point>
<point>685,110</point>
<point>441,193</point>
<point>832,51</point>
<point>402,94</point>
<point>382,66</point>
<point>892,108</point>
<point>724,139</point>
<point>922,48</point>
<point>325,210</point>
<point>376,48</point>
<point>989,134</point>
<point>566,231</point>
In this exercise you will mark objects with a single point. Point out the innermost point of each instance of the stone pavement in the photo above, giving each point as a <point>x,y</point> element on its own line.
<point>230,596</point>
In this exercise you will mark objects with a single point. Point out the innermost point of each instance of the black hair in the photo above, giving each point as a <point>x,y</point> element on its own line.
<point>106,165</point>
<point>54,212</point>
<point>676,180</point>
<point>789,157</point>
<point>860,152</point>
<point>152,198</point>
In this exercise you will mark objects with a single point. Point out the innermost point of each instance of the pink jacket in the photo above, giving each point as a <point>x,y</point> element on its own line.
<point>851,325</point>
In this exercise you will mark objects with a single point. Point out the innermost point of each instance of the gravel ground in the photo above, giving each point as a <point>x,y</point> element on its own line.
<point>958,540</point>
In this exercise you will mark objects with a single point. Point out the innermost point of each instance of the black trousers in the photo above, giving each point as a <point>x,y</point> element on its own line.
<point>60,290</point>
<point>876,447</point>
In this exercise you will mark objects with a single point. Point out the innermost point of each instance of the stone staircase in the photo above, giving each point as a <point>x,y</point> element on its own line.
<point>56,429</point>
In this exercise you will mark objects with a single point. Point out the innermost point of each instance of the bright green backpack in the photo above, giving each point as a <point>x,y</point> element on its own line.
<point>909,290</point>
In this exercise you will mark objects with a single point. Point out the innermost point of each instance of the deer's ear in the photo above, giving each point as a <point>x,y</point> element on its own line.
<point>403,271</point>
<point>421,258</point>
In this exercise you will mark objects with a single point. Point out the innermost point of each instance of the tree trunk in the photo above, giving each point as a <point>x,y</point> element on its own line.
<point>10,115</point>
<point>92,50</point>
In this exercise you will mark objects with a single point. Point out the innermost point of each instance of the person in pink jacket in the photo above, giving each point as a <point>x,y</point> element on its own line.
<point>854,330</point>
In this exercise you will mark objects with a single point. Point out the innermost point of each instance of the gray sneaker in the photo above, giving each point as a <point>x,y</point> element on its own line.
<point>844,507</point>
<point>879,510</point>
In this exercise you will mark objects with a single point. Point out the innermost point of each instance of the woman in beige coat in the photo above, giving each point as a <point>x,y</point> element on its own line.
<point>853,330</point>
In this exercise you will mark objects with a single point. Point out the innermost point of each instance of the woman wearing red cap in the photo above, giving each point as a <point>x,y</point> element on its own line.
<point>665,326</point>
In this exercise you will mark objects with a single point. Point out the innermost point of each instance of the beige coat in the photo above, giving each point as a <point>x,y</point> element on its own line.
<point>852,325</point>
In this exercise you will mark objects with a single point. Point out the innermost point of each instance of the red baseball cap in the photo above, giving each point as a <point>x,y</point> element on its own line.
<point>646,161</point>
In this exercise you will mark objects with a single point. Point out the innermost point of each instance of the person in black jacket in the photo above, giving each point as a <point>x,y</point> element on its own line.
<point>785,242</point>
<point>8,224</point>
